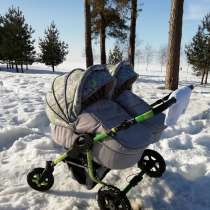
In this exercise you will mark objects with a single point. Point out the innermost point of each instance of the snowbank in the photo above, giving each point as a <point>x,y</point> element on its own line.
<point>25,143</point>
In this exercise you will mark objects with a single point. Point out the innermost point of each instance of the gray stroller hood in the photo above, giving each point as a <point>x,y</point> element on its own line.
<point>71,90</point>
<point>124,74</point>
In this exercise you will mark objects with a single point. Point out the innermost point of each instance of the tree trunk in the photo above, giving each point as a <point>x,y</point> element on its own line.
<point>88,44</point>
<point>207,74</point>
<point>132,39</point>
<point>16,66</point>
<point>21,67</point>
<point>53,68</point>
<point>26,66</point>
<point>7,66</point>
<point>174,43</point>
<point>102,36</point>
<point>203,74</point>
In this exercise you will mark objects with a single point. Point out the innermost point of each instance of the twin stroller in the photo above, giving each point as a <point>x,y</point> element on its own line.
<point>103,126</point>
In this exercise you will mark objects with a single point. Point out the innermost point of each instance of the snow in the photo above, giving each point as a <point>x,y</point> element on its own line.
<point>25,143</point>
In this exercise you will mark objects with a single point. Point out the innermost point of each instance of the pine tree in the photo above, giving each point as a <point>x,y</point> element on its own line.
<point>115,56</point>
<point>108,21</point>
<point>198,54</point>
<point>29,51</point>
<point>53,50</point>
<point>17,45</point>
<point>206,29</point>
<point>174,43</point>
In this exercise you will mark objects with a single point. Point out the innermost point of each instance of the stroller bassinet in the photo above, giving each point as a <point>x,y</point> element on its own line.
<point>90,110</point>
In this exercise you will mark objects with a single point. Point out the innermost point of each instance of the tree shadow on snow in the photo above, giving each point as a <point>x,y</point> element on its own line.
<point>178,193</point>
<point>31,71</point>
<point>149,80</point>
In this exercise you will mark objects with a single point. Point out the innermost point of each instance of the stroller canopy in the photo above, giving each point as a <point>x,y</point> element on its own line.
<point>71,90</point>
<point>125,75</point>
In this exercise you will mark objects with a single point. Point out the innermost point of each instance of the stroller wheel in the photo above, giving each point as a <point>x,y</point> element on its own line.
<point>111,198</point>
<point>152,163</point>
<point>33,180</point>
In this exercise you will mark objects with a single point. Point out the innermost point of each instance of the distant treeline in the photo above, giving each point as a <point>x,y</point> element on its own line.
<point>17,45</point>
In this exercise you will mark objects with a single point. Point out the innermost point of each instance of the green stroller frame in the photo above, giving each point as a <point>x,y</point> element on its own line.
<point>109,197</point>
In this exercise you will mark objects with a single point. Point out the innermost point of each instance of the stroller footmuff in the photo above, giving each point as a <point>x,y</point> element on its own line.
<point>132,103</point>
<point>136,106</point>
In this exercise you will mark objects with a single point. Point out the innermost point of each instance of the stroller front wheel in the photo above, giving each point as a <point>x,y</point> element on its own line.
<point>33,179</point>
<point>152,163</point>
<point>111,198</point>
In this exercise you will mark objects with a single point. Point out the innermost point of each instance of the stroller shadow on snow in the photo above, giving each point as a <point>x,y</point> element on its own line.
<point>81,195</point>
<point>104,126</point>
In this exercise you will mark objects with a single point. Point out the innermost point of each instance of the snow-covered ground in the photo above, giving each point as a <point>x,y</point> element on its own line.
<point>25,143</point>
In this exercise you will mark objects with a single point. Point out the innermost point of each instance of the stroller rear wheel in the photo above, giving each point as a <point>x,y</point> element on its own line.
<point>111,198</point>
<point>152,163</point>
<point>33,179</point>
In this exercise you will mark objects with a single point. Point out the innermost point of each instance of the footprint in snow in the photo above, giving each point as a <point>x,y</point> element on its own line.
<point>205,115</point>
<point>182,142</point>
<point>203,140</point>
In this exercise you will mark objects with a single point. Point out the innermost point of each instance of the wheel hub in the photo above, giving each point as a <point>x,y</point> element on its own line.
<point>152,163</point>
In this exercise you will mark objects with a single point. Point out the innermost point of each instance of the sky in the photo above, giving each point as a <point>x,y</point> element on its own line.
<point>152,23</point>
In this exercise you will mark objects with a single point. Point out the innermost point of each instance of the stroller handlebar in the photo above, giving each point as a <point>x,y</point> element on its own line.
<point>165,105</point>
<point>162,100</point>
<point>155,110</point>
<point>165,98</point>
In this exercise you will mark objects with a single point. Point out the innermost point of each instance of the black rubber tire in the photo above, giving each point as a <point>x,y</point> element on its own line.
<point>152,163</point>
<point>111,198</point>
<point>44,186</point>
